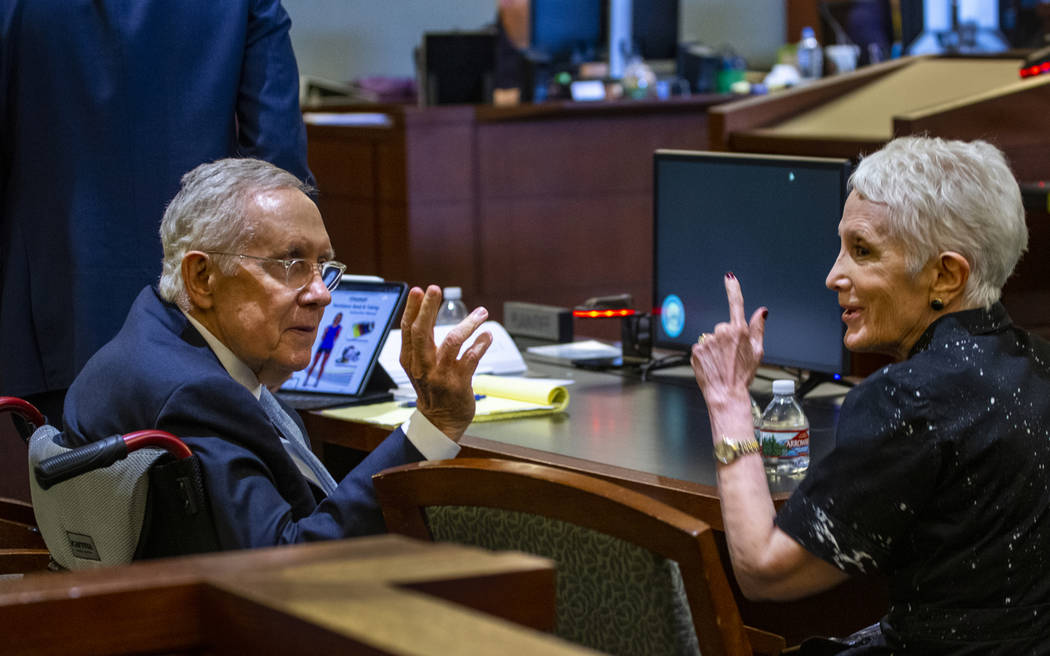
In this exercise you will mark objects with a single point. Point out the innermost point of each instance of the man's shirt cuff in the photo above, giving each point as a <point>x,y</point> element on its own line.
<point>428,440</point>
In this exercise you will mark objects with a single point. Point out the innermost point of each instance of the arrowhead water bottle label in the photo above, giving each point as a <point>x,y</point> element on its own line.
<point>789,443</point>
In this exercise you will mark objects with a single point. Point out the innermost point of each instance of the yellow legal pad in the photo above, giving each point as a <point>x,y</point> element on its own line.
<point>506,397</point>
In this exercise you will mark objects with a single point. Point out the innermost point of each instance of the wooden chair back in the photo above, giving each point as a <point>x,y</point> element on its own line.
<point>415,499</point>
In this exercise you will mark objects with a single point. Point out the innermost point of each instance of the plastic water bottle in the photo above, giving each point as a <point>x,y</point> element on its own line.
<point>810,56</point>
<point>452,308</point>
<point>785,433</point>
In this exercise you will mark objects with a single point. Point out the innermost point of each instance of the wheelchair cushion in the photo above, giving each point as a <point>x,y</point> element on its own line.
<point>95,519</point>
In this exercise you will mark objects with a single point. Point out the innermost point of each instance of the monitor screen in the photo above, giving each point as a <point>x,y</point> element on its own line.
<point>566,30</point>
<point>773,222</point>
<point>951,26</point>
<point>654,28</point>
<point>457,67</point>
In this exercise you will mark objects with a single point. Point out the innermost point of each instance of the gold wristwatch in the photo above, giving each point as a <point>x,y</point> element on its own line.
<point>729,450</point>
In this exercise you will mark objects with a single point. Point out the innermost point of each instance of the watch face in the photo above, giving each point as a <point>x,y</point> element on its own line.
<point>725,452</point>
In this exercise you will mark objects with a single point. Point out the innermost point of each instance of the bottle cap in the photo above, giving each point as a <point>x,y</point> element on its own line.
<point>785,386</point>
<point>452,293</point>
<point>807,32</point>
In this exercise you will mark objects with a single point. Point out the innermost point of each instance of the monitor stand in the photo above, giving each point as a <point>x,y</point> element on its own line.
<point>816,378</point>
<point>666,362</point>
<point>682,359</point>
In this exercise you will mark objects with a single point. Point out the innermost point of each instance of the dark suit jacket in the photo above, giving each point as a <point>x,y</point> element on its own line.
<point>158,372</point>
<point>104,105</point>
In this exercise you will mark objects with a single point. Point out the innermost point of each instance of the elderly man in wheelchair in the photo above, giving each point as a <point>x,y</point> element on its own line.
<point>248,269</point>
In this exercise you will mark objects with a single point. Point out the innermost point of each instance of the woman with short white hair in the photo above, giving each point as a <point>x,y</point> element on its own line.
<point>938,476</point>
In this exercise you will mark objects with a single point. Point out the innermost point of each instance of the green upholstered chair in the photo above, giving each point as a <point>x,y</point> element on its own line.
<point>634,575</point>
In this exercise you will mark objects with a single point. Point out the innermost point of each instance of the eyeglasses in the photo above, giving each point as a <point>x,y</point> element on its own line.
<point>298,272</point>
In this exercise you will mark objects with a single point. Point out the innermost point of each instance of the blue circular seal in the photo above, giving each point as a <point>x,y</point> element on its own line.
<point>672,315</point>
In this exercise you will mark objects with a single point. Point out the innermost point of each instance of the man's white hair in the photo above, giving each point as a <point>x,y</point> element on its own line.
<point>209,214</point>
<point>950,196</point>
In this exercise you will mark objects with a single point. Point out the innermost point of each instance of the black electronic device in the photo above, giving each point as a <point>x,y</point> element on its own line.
<point>457,67</point>
<point>566,31</point>
<point>698,65</point>
<point>344,367</point>
<point>965,27</point>
<point>654,28</point>
<point>868,24</point>
<point>773,222</point>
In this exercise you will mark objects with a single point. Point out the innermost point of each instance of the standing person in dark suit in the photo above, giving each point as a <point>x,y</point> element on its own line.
<point>248,267</point>
<point>104,105</point>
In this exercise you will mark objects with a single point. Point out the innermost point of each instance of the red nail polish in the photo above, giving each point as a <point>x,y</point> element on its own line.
<point>765,313</point>
<point>729,274</point>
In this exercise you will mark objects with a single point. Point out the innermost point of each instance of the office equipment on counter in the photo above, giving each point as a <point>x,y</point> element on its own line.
<point>540,321</point>
<point>568,353</point>
<point>636,343</point>
<point>349,341</point>
<point>773,222</point>
<point>497,397</point>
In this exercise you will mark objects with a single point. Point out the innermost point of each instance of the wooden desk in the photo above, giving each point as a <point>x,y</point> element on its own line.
<point>653,437</point>
<point>386,594</point>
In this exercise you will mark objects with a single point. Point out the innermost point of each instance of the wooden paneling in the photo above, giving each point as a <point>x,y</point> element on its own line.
<point>439,160</point>
<point>579,156</point>
<point>441,244</point>
<point>352,228</point>
<point>342,162</point>
<point>561,249</point>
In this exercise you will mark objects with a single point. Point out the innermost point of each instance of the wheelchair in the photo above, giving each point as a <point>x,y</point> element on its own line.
<point>122,498</point>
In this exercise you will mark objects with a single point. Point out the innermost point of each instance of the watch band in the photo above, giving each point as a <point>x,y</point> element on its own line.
<point>728,450</point>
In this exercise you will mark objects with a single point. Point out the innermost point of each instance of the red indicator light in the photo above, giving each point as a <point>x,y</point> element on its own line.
<point>1035,69</point>
<point>602,314</point>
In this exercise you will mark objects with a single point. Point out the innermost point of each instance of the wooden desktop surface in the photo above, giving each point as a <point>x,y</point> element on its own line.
<point>377,595</point>
<point>653,437</point>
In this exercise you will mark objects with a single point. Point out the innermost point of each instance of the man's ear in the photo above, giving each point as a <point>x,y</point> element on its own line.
<point>952,272</point>
<point>198,276</point>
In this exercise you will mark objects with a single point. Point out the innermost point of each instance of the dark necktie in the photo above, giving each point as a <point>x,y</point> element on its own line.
<point>295,441</point>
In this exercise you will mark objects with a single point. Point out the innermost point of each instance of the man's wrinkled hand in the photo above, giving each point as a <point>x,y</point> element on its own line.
<point>439,374</point>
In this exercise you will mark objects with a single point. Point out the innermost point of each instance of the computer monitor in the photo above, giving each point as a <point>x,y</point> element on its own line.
<point>566,30</point>
<point>772,221</point>
<point>654,28</point>
<point>868,24</point>
<point>457,67</point>
<point>951,26</point>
